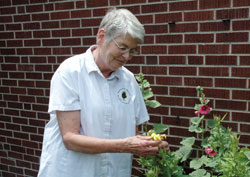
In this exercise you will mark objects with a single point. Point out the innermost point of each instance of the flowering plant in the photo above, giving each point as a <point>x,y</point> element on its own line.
<point>220,154</point>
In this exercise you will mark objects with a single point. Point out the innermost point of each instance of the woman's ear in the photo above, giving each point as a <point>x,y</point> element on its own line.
<point>100,36</point>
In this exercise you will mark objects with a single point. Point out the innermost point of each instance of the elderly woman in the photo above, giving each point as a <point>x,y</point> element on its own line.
<point>95,106</point>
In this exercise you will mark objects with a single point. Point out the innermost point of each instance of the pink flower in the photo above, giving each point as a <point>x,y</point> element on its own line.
<point>210,151</point>
<point>204,109</point>
<point>196,112</point>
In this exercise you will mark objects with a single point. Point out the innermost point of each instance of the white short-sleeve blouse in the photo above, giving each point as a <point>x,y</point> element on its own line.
<point>110,108</point>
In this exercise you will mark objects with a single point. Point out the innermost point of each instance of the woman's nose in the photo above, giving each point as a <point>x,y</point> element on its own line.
<point>127,56</point>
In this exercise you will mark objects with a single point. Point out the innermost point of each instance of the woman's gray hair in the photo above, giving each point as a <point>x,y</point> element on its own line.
<point>121,22</point>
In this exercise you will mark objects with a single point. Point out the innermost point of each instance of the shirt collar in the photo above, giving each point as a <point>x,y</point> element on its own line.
<point>91,66</point>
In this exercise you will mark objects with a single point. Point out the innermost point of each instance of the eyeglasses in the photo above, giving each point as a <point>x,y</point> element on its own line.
<point>132,52</point>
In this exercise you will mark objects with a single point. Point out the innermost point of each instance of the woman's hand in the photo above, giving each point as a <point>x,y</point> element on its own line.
<point>143,145</point>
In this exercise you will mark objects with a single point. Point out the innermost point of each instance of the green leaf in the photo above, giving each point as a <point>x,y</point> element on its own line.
<point>195,120</point>
<point>247,153</point>
<point>211,123</point>
<point>160,128</point>
<point>152,103</point>
<point>196,163</point>
<point>183,153</point>
<point>147,94</point>
<point>188,141</point>
<point>199,173</point>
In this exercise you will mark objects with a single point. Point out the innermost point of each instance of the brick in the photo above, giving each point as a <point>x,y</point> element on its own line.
<point>23,164</point>
<point>159,110</point>
<point>7,51</point>
<point>182,112</point>
<point>99,12</point>
<point>82,32</point>
<point>32,42</point>
<point>160,90</point>
<point>221,60</point>
<point>25,51</point>
<point>231,105</point>
<point>168,17</point>
<point>232,37</point>
<point>241,48</point>
<point>5,3</point>
<point>195,60</point>
<point>177,101</point>
<point>13,127</point>
<point>8,10</point>
<point>198,16</point>
<point>27,99</point>
<point>154,70</point>
<point>61,33</point>
<point>34,8</point>
<point>20,35</point>
<point>16,75</point>
<point>11,112</point>
<point>70,24</point>
<point>48,7</point>
<point>6,35</point>
<point>21,18</point>
<point>43,84</point>
<point>21,9</point>
<point>170,120</point>
<point>180,91</point>
<point>199,38</point>
<point>152,29</point>
<point>211,4</point>
<point>169,39</point>
<point>18,90</point>
<point>98,3</point>
<point>15,43</point>
<point>51,42</point>
<point>24,67</point>
<point>213,71</point>
<point>241,94</point>
<point>28,26</point>
<point>181,49</point>
<point>80,13</point>
<point>232,13</point>
<point>41,34</point>
<point>205,82</point>
<point>244,60</point>
<point>241,25</point>
<point>40,17</point>
<point>180,60</point>
<point>185,27</point>
<point>168,81</point>
<point>145,19</point>
<point>81,4</point>
<point>245,128</point>
<point>17,2</point>
<point>46,68</point>
<point>214,49</point>
<point>159,49</point>
<point>237,3</point>
<point>240,117</point>
<point>59,15</point>
<point>9,82</point>
<point>85,41</point>
<point>182,71</point>
<point>230,83</point>
<point>13,27</point>
<point>64,5</point>
<point>181,6</point>
<point>6,19</point>
<point>61,51</point>
<point>33,75</point>
<point>241,72</point>
<point>215,26</point>
<point>162,7</point>
<point>72,41</point>
<point>50,25</point>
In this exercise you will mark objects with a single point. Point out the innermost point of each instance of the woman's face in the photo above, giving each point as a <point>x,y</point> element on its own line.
<point>112,56</point>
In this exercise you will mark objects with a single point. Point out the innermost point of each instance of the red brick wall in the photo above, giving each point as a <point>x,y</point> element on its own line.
<point>188,43</point>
